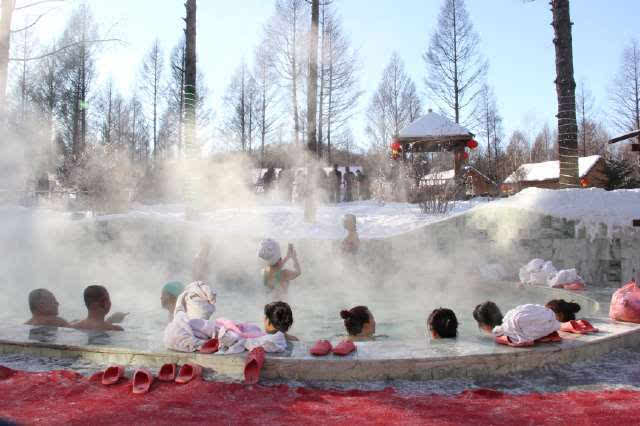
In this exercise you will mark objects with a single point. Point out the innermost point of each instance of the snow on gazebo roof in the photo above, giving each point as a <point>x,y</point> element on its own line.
<point>433,126</point>
<point>549,170</point>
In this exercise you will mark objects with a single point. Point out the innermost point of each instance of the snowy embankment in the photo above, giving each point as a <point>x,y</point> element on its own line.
<point>589,206</point>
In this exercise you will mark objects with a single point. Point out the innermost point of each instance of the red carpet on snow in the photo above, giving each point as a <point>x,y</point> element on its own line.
<point>65,397</point>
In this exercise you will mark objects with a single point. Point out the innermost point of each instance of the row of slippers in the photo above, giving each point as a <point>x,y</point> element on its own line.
<point>323,347</point>
<point>142,378</point>
<point>574,327</point>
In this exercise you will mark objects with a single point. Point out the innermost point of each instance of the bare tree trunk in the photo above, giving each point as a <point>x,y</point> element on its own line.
<point>190,99</point>
<point>566,89</point>
<point>294,66</point>
<point>312,82</point>
<point>456,88</point>
<point>6,14</point>
<point>322,78</point>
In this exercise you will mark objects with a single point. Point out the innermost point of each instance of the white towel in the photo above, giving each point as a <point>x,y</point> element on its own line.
<point>197,301</point>
<point>565,276</point>
<point>179,336</point>
<point>537,272</point>
<point>526,323</point>
<point>269,251</point>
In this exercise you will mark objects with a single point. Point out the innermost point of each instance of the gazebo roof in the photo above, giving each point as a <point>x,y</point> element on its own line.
<point>434,127</point>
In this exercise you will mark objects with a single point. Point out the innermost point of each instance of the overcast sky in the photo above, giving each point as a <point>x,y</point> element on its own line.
<point>516,38</point>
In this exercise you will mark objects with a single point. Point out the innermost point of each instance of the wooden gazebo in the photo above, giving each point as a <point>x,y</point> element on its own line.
<point>436,133</point>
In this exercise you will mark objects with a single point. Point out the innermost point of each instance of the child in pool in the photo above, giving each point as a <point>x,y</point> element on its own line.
<point>98,303</point>
<point>44,309</point>
<point>442,324</point>
<point>169,296</point>
<point>565,311</point>
<point>488,316</point>
<point>351,243</point>
<point>360,323</point>
<point>275,277</point>
<point>278,317</point>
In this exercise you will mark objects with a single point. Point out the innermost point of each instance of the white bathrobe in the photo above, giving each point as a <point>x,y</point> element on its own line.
<point>235,337</point>
<point>527,323</point>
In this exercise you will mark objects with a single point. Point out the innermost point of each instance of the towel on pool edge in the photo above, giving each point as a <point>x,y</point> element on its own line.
<point>526,323</point>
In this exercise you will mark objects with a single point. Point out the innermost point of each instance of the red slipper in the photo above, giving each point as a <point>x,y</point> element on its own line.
<point>112,374</point>
<point>141,381</point>
<point>253,366</point>
<point>504,340</point>
<point>188,372</point>
<point>577,286</point>
<point>167,373</point>
<point>211,346</point>
<point>587,327</point>
<point>344,348</point>
<point>551,338</point>
<point>572,327</point>
<point>321,348</point>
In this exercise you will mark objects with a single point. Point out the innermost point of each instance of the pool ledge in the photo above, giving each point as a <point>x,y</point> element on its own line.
<point>379,360</point>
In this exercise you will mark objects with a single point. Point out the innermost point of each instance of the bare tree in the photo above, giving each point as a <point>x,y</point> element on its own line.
<point>456,70</point>
<point>151,86</point>
<point>285,33</point>
<point>490,123</point>
<point>625,93</point>
<point>340,68</point>
<point>517,151</point>
<point>584,104</point>
<point>264,75</point>
<point>394,104</point>
<point>566,90</point>
<point>238,104</point>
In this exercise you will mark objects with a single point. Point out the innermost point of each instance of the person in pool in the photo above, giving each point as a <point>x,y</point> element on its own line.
<point>351,243</point>
<point>488,316</point>
<point>278,317</point>
<point>98,303</point>
<point>275,277</point>
<point>169,296</point>
<point>442,324</point>
<point>44,309</point>
<point>359,323</point>
<point>201,266</point>
<point>565,311</point>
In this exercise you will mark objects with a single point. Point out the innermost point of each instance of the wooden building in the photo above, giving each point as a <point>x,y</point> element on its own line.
<point>476,183</point>
<point>547,175</point>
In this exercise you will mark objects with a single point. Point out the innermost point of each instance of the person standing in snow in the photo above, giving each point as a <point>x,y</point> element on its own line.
<point>285,184</point>
<point>336,176</point>
<point>349,177</point>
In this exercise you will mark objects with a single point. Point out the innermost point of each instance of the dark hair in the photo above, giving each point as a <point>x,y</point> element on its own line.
<point>488,313</point>
<point>279,315</point>
<point>36,297</point>
<point>566,310</point>
<point>444,322</point>
<point>355,319</point>
<point>94,294</point>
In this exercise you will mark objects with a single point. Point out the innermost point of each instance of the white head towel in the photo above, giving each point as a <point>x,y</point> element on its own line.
<point>197,301</point>
<point>269,251</point>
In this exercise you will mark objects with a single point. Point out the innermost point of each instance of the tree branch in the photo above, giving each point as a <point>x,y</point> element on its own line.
<point>32,24</point>
<point>35,58</point>
<point>36,4</point>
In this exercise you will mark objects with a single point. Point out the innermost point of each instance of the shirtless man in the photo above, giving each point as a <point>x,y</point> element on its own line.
<point>98,303</point>
<point>44,309</point>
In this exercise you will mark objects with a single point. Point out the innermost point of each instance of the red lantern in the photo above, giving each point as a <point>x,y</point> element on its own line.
<point>584,182</point>
<point>472,144</point>
<point>395,146</point>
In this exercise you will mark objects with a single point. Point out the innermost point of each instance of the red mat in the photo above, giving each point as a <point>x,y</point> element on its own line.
<point>65,397</point>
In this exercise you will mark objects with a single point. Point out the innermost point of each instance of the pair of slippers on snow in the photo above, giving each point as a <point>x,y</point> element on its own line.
<point>142,378</point>
<point>323,347</point>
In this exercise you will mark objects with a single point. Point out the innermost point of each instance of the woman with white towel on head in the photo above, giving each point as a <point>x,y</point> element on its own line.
<point>275,277</point>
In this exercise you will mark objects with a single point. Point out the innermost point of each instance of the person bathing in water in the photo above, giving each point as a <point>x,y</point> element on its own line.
<point>442,324</point>
<point>488,316</point>
<point>275,277</point>
<point>565,311</point>
<point>201,265</point>
<point>98,303</point>
<point>520,326</point>
<point>169,296</point>
<point>44,309</point>
<point>359,323</point>
<point>351,243</point>
<point>278,318</point>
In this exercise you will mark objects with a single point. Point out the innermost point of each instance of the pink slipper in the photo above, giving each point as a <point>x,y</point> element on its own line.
<point>112,374</point>
<point>211,346</point>
<point>141,381</point>
<point>344,348</point>
<point>551,338</point>
<point>587,327</point>
<point>253,366</point>
<point>504,340</point>
<point>572,327</point>
<point>321,348</point>
<point>188,372</point>
<point>167,373</point>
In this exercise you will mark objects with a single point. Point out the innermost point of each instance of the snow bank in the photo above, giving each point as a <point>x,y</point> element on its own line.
<point>589,206</point>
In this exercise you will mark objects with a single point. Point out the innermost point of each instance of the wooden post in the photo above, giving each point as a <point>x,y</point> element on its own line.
<point>191,148</point>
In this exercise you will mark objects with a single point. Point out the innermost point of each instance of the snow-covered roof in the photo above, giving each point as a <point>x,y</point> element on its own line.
<point>433,125</point>
<point>549,170</point>
<point>443,175</point>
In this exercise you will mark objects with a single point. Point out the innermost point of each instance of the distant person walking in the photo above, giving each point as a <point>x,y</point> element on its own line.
<point>268,179</point>
<point>349,179</point>
<point>285,183</point>
<point>336,175</point>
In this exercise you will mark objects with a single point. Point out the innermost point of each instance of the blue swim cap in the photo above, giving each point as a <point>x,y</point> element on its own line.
<point>174,288</point>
